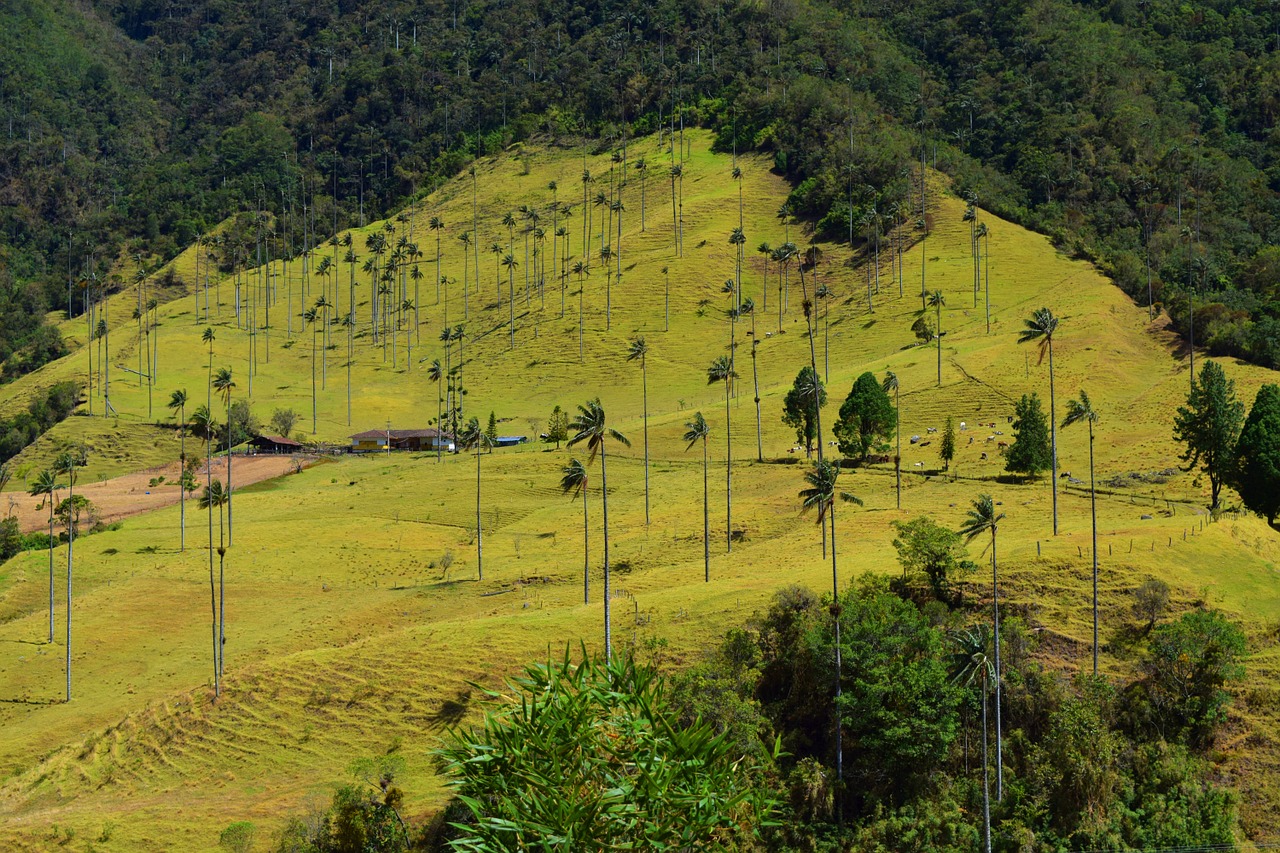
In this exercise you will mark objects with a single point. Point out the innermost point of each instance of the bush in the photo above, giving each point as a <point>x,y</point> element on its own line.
<point>1182,696</point>
<point>593,756</point>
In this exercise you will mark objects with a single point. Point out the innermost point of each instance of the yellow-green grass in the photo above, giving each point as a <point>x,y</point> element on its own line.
<point>343,641</point>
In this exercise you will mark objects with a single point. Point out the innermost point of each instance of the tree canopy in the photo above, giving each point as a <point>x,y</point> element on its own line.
<point>1257,455</point>
<point>1029,453</point>
<point>867,420</point>
<point>1209,425</point>
<point>799,410</point>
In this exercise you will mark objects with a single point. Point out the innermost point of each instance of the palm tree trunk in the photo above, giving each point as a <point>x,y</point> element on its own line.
<point>835,593</point>
<point>644,388</point>
<point>728,472</point>
<point>479,532</point>
<point>1053,439</point>
<point>439,420</point>
<point>604,503</point>
<point>586,550</point>
<point>986,771</point>
<point>755,381</point>
<point>71,539</point>
<point>230,438</point>
<point>995,616</point>
<point>50,498</point>
<point>1093,512</point>
<point>939,344</point>
<point>706,516</point>
<point>986,286</point>
<point>897,461</point>
<point>182,471</point>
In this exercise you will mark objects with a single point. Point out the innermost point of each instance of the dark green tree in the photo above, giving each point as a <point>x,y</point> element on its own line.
<point>558,426</point>
<point>798,409</point>
<point>1256,474</point>
<point>1029,453</point>
<point>927,548</point>
<point>1209,425</point>
<point>867,420</point>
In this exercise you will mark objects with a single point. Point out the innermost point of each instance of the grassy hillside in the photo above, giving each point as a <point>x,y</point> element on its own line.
<point>346,638</point>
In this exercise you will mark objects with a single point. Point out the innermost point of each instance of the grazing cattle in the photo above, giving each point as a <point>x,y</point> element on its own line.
<point>1002,447</point>
<point>1065,475</point>
<point>925,443</point>
<point>915,439</point>
<point>931,429</point>
<point>919,465</point>
<point>971,439</point>
<point>984,457</point>
<point>962,426</point>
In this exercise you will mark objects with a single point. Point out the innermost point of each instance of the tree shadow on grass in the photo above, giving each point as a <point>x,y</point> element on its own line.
<point>452,711</point>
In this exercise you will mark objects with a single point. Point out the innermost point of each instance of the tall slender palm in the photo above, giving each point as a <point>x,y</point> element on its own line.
<point>697,430</point>
<point>46,484</point>
<point>1040,328</point>
<point>178,401</point>
<point>224,385</point>
<point>509,261</point>
<point>582,271</point>
<point>589,426</point>
<point>766,252</point>
<point>984,238</point>
<point>466,238</point>
<point>749,307</point>
<point>472,437</point>
<point>981,519</point>
<point>213,498</point>
<point>574,480</point>
<point>821,496</point>
<point>721,370</point>
<point>312,316</point>
<point>890,383</point>
<point>67,463</point>
<point>436,224</point>
<point>936,301</point>
<point>970,662</point>
<point>1082,411</point>
<point>435,373</point>
<point>638,349</point>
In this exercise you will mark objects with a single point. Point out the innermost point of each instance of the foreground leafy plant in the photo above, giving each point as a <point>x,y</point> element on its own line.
<point>591,755</point>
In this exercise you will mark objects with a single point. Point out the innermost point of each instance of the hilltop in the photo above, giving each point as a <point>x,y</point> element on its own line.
<point>349,637</point>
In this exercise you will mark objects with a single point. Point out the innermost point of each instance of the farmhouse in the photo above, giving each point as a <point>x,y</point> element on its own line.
<point>275,444</point>
<point>382,440</point>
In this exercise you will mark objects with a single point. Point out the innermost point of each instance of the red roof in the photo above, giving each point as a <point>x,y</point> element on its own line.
<point>279,439</point>
<point>372,434</point>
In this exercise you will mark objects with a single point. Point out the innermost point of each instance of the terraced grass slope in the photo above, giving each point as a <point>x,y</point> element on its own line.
<point>346,637</point>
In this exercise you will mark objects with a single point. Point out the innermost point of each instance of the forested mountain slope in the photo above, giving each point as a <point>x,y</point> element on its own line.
<point>1129,131</point>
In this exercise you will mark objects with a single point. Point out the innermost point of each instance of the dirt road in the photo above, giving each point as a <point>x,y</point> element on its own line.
<point>133,493</point>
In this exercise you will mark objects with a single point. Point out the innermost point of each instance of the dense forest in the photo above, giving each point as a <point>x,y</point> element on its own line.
<point>1139,134</point>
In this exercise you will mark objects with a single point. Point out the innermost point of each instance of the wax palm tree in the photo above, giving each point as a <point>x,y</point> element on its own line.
<point>1082,411</point>
<point>436,224</point>
<point>666,299</point>
<point>472,437</point>
<point>46,484</point>
<point>766,252</point>
<point>589,426</point>
<point>981,519</point>
<point>721,370</point>
<point>643,168</point>
<point>638,349</point>
<point>936,301</point>
<point>582,271</point>
<point>214,498</point>
<point>178,401</point>
<point>820,496</point>
<point>697,430</point>
<point>984,237</point>
<point>435,373</point>
<point>890,383</point>
<point>66,464</point>
<point>312,316</point>
<point>1040,329</point>
<point>574,480</point>
<point>749,307</point>
<point>509,261</point>
<point>969,663</point>
<point>677,173</point>
<point>466,239</point>
<point>223,384</point>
